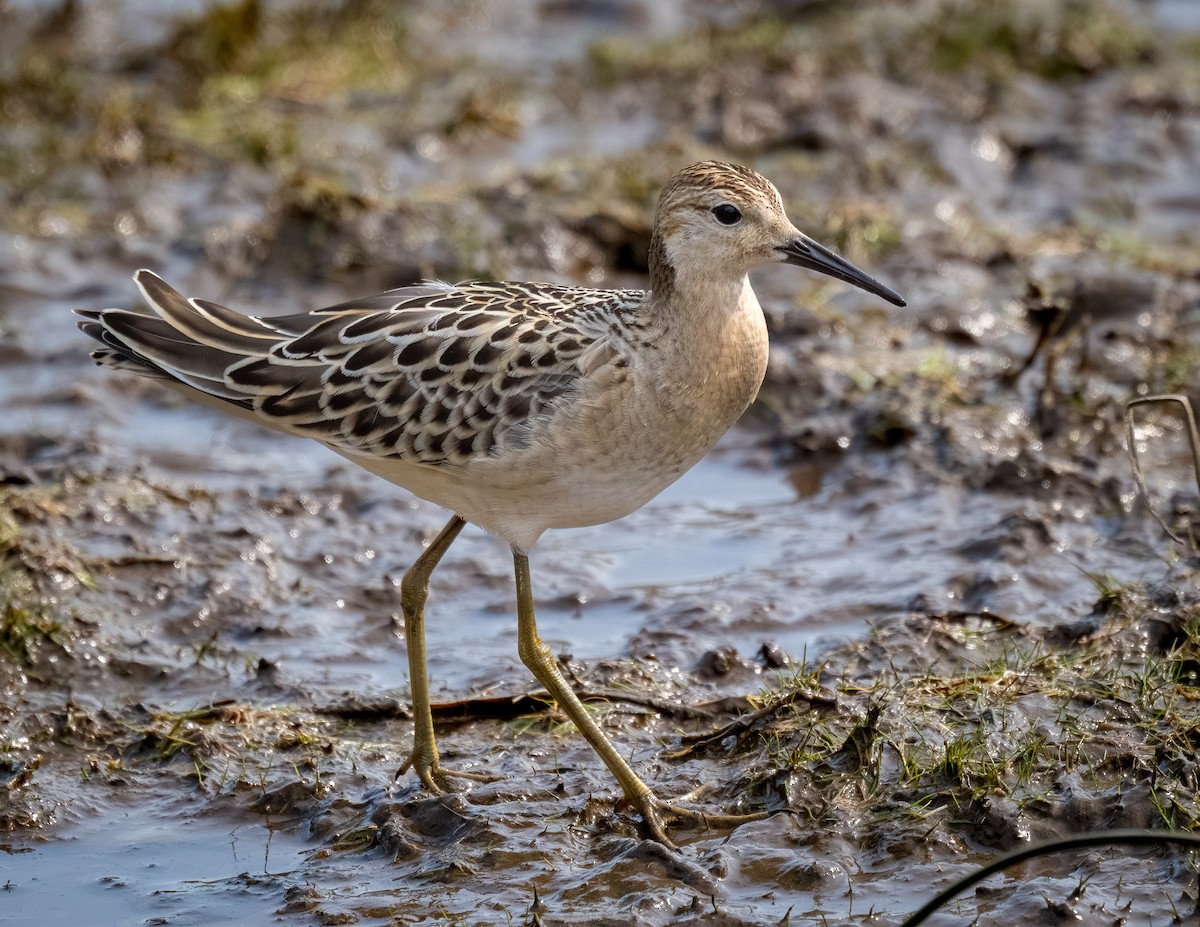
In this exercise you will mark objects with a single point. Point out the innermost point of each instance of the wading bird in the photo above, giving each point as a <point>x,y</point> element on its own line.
<point>517,406</point>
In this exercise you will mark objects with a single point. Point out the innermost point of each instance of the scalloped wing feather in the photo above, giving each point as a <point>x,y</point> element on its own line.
<point>433,374</point>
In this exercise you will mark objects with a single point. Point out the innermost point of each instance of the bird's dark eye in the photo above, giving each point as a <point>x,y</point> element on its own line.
<point>727,213</point>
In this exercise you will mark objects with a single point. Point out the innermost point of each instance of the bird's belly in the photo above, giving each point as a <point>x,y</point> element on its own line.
<point>575,495</point>
<point>593,497</point>
<point>586,478</point>
<point>625,457</point>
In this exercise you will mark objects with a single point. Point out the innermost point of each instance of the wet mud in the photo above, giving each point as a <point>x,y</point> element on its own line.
<point>914,604</point>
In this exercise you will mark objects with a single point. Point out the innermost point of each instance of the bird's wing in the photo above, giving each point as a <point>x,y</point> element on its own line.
<point>434,374</point>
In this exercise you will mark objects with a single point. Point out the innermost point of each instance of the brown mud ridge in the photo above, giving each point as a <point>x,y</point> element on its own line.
<point>915,603</point>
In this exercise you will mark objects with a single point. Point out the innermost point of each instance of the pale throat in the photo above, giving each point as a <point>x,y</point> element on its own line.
<point>708,300</point>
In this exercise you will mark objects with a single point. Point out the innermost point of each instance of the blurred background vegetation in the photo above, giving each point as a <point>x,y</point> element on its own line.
<point>392,141</point>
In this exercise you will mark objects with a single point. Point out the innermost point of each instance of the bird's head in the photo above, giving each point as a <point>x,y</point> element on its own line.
<point>713,215</point>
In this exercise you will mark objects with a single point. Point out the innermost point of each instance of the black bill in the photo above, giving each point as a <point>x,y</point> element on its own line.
<point>804,252</point>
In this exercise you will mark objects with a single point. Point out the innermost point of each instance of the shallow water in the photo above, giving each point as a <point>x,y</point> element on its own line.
<point>139,865</point>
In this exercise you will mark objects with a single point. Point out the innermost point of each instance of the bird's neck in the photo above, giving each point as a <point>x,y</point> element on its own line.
<point>701,299</point>
<point>711,336</point>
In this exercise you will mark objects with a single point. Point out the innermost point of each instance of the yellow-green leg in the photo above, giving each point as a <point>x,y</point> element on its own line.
<point>538,657</point>
<point>414,589</point>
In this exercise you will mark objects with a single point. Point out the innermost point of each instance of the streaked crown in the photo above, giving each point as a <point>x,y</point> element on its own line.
<point>694,185</point>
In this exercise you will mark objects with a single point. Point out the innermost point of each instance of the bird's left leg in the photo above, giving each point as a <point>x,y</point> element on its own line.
<point>538,657</point>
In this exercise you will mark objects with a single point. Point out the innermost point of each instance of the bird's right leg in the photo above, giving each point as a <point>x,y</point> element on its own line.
<point>414,589</point>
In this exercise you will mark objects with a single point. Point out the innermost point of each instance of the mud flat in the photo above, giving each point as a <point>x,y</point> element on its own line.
<point>914,602</point>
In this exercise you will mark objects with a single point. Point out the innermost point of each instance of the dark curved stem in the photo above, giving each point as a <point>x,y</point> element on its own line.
<point>1075,842</point>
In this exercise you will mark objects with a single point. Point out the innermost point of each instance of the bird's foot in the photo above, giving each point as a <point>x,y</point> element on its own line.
<point>657,814</point>
<point>436,777</point>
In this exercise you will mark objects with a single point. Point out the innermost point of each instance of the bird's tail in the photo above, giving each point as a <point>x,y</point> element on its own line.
<point>191,341</point>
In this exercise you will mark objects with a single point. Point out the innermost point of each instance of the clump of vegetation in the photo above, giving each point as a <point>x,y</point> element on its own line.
<point>228,746</point>
<point>28,622</point>
<point>1011,731</point>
